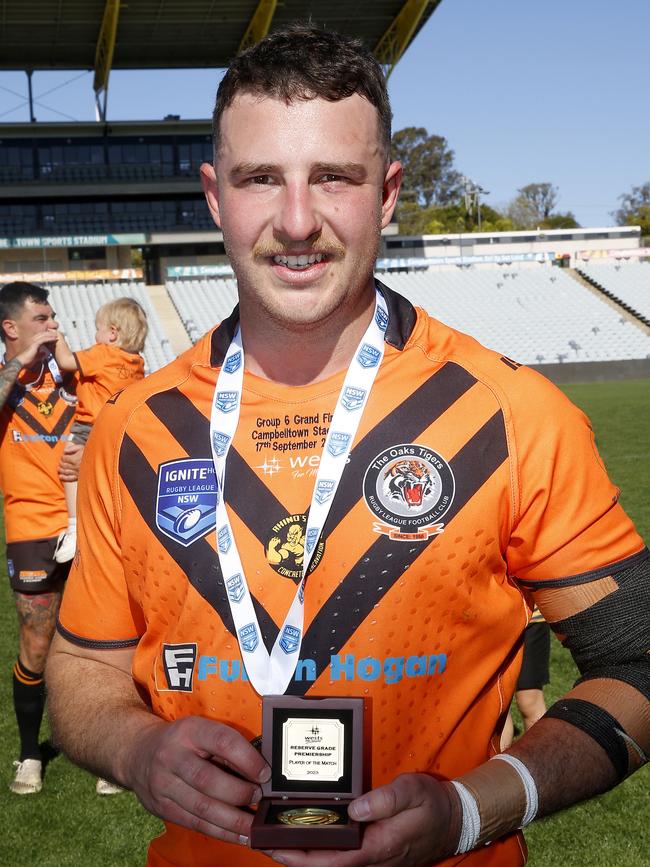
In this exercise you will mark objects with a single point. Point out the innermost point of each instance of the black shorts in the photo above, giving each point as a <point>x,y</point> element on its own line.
<point>32,568</point>
<point>537,651</point>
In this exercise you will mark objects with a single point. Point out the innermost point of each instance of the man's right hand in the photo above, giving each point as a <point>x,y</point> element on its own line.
<point>199,774</point>
<point>36,348</point>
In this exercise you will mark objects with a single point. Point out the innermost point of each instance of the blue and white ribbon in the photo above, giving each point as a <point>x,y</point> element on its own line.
<point>270,674</point>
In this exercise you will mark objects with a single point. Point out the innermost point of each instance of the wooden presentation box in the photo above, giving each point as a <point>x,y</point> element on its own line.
<point>315,749</point>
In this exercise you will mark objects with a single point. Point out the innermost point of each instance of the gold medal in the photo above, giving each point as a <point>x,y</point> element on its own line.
<point>309,816</point>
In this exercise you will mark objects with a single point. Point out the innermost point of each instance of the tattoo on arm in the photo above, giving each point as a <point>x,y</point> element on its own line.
<point>8,377</point>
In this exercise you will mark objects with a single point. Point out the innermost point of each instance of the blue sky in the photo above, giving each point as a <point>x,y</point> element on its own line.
<point>524,91</point>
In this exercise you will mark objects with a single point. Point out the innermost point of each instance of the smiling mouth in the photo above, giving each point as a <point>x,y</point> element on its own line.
<point>298,263</point>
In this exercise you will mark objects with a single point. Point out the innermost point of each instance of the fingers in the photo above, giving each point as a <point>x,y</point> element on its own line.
<point>186,806</point>
<point>183,774</point>
<point>226,746</point>
<point>404,793</point>
<point>70,462</point>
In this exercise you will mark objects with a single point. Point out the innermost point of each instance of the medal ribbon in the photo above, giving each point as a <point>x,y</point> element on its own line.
<point>270,674</point>
<point>53,368</point>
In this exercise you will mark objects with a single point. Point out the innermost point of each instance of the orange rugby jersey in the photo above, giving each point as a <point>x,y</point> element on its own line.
<point>103,370</point>
<point>467,473</point>
<point>34,427</point>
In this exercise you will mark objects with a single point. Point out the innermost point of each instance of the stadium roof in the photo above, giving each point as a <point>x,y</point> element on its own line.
<point>160,34</point>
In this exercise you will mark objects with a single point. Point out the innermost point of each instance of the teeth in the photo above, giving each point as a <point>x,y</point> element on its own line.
<point>298,262</point>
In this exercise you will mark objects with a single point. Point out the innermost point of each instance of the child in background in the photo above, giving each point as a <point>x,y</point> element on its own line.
<point>107,367</point>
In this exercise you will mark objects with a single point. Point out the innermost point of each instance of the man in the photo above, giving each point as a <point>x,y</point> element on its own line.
<point>458,488</point>
<point>36,410</point>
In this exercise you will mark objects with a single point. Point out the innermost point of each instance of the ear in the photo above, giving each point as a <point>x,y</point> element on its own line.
<point>210,190</point>
<point>114,334</point>
<point>9,329</point>
<point>392,184</point>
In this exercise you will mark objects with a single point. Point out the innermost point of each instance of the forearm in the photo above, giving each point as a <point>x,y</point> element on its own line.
<point>101,728</point>
<point>8,377</point>
<point>64,356</point>
<point>565,766</point>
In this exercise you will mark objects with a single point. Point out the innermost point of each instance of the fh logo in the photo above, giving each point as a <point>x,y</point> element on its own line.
<point>179,661</point>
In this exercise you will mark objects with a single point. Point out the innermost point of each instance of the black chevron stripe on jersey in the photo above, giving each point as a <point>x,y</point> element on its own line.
<point>58,429</point>
<point>479,458</point>
<point>407,421</point>
<point>381,566</point>
<point>249,498</point>
<point>256,506</point>
<point>198,562</point>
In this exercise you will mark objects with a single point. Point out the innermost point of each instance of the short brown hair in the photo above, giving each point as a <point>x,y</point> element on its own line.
<point>130,320</point>
<point>13,297</point>
<point>305,62</point>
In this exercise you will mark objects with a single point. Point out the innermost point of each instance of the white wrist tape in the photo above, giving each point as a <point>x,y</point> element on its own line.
<point>532,801</point>
<point>471,827</point>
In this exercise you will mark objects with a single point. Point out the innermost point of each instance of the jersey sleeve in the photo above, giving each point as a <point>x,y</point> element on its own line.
<point>97,609</point>
<point>91,361</point>
<point>568,521</point>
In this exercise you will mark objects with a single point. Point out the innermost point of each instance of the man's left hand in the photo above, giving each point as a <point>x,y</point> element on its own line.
<point>415,820</point>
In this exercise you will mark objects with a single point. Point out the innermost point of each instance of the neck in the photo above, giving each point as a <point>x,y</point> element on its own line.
<point>306,355</point>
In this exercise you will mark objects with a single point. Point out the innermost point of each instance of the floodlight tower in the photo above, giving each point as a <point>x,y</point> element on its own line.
<point>472,195</point>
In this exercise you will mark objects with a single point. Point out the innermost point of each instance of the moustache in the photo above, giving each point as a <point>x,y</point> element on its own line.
<point>331,249</point>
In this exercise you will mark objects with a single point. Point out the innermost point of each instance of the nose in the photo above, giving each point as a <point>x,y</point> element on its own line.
<point>297,217</point>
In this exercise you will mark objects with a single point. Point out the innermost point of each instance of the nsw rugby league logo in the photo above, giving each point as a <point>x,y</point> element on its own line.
<point>186,502</point>
<point>408,489</point>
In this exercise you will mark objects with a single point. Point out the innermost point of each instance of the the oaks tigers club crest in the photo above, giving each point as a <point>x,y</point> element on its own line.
<point>285,548</point>
<point>408,488</point>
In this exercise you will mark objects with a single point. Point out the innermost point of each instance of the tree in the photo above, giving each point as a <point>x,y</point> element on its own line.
<point>428,163</point>
<point>560,221</point>
<point>635,208</point>
<point>533,209</point>
<point>542,198</point>
<point>449,220</point>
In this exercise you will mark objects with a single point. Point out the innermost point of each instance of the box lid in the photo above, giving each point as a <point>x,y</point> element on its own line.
<point>314,746</point>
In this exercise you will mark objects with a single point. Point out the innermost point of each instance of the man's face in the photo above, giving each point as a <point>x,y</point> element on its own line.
<point>301,191</point>
<point>33,319</point>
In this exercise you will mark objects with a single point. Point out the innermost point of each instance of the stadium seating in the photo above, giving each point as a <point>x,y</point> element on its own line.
<point>536,315</point>
<point>76,305</point>
<point>626,282</point>
<point>202,303</point>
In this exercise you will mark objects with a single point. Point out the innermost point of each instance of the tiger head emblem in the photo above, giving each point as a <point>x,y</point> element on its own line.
<point>408,481</point>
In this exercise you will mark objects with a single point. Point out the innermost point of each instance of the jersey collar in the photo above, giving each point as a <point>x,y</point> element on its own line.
<point>401,322</point>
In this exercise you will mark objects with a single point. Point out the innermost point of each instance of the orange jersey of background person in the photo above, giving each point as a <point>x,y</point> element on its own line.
<point>456,488</point>
<point>103,370</point>
<point>34,428</point>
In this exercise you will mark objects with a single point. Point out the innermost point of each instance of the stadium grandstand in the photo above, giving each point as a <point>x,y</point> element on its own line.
<point>109,208</point>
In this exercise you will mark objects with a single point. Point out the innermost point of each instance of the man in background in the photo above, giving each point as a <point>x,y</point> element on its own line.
<point>37,404</point>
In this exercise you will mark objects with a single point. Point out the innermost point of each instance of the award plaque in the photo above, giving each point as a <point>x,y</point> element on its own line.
<point>315,749</point>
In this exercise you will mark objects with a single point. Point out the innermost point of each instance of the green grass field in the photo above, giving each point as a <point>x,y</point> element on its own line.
<point>67,825</point>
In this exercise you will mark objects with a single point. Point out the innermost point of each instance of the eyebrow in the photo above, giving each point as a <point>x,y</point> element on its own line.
<point>357,171</point>
<point>242,169</point>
